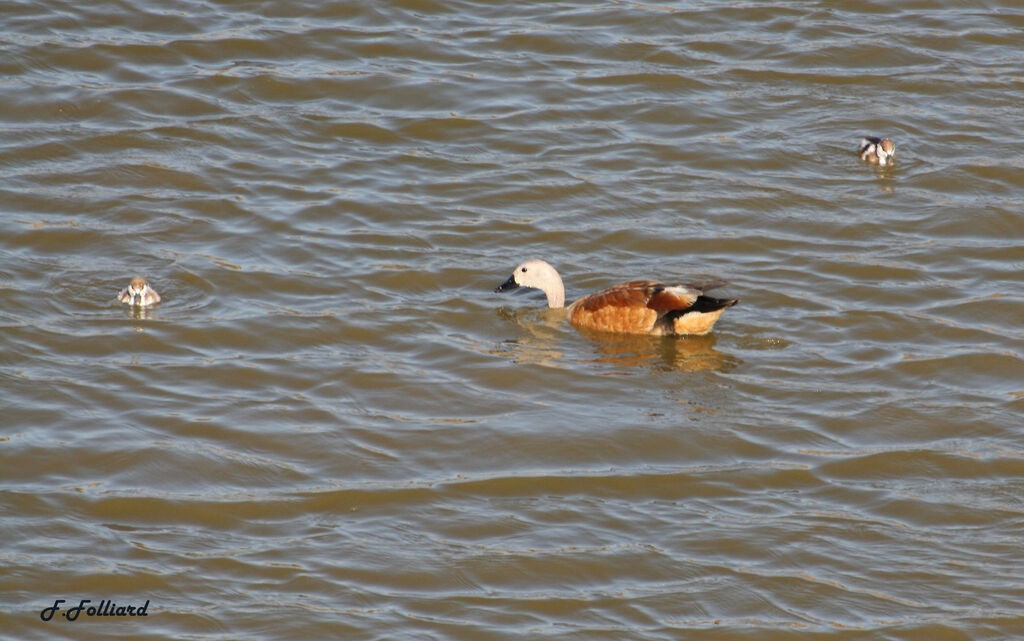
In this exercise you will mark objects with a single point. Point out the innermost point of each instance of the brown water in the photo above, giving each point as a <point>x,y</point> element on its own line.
<point>332,428</point>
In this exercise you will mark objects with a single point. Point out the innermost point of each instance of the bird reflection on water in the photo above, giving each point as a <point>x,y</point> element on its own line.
<point>137,312</point>
<point>546,335</point>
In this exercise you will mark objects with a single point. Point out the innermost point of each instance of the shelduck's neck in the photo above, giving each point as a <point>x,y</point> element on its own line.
<point>556,295</point>
<point>551,284</point>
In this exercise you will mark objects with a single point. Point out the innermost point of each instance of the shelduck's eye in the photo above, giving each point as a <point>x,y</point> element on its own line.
<point>523,270</point>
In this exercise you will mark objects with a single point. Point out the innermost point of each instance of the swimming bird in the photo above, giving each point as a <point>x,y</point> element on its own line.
<point>139,293</point>
<point>636,307</point>
<point>877,150</point>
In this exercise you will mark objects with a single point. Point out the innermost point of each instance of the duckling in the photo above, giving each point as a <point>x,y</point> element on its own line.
<point>877,150</point>
<point>139,293</point>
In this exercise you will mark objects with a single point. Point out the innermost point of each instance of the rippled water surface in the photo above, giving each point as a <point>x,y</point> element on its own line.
<point>333,428</point>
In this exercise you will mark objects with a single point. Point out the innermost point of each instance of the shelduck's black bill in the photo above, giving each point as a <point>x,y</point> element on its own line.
<point>507,285</point>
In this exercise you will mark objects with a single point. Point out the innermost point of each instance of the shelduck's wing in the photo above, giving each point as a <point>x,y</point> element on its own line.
<point>650,307</point>
<point>634,307</point>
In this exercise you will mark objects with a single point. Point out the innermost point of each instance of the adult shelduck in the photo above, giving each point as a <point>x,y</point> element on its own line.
<point>636,307</point>
<point>877,150</point>
<point>139,293</point>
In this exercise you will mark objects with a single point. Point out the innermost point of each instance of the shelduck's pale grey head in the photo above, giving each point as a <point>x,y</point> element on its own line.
<point>540,275</point>
<point>139,293</point>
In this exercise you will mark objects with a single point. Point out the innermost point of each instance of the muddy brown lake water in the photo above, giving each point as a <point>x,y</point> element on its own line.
<point>333,428</point>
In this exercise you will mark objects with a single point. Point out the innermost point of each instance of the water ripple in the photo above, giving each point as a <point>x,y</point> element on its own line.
<point>331,413</point>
